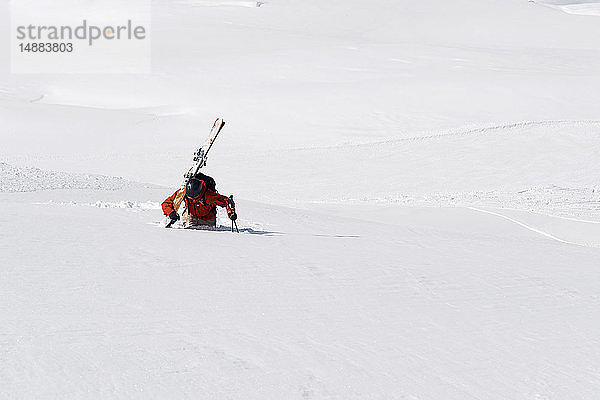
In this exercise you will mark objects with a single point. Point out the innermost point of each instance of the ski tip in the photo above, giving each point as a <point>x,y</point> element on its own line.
<point>219,123</point>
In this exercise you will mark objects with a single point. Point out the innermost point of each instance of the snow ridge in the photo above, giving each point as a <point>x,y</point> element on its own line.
<point>124,204</point>
<point>30,179</point>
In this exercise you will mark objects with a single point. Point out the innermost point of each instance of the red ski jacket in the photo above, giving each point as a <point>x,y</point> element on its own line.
<point>202,206</point>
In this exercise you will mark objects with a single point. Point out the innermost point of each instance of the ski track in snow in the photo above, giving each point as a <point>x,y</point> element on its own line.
<point>531,228</point>
<point>574,7</point>
<point>459,133</point>
<point>582,204</point>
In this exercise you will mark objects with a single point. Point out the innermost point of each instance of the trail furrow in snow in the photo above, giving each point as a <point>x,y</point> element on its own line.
<point>460,133</point>
<point>586,242</point>
<point>574,7</point>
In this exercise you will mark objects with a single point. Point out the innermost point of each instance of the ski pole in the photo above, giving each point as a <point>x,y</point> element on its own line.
<point>236,228</point>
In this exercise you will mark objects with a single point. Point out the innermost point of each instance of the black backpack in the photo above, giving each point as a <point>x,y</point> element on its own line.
<point>210,183</point>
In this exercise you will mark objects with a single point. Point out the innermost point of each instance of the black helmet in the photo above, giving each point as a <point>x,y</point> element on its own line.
<point>194,188</point>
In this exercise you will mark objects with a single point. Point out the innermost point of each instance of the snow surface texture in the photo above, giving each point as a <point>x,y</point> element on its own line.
<point>417,184</point>
<point>28,179</point>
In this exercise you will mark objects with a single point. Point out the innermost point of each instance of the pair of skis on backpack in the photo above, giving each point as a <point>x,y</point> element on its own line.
<point>199,161</point>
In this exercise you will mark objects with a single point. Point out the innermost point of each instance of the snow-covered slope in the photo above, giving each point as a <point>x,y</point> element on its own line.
<point>452,304</point>
<point>417,184</point>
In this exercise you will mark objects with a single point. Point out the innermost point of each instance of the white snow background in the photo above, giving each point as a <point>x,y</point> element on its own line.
<point>419,201</point>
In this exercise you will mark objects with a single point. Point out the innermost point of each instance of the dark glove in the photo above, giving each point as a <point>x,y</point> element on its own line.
<point>174,216</point>
<point>231,209</point>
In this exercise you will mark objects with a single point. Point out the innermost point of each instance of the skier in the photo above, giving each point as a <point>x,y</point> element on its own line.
<point>201,201</point>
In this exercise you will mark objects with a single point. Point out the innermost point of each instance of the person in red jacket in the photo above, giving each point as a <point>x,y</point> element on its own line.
<point>200,204</point>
